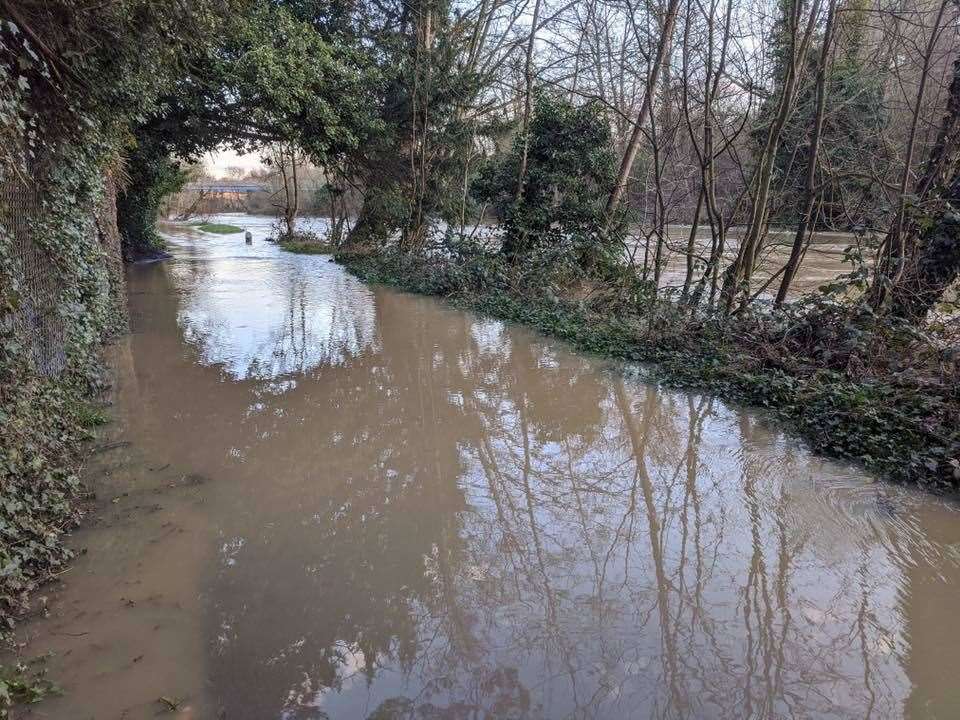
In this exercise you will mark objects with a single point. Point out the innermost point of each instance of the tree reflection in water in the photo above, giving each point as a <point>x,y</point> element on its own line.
<point>477,524</point>
<point>428,515</point>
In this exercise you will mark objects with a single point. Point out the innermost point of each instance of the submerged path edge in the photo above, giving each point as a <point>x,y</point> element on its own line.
<point>864,423</point>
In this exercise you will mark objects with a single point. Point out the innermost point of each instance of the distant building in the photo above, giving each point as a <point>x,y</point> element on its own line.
<point>206,196</point>
<point>226,187</point>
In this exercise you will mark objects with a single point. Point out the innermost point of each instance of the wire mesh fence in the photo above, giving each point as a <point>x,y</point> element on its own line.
<point>35,319</point>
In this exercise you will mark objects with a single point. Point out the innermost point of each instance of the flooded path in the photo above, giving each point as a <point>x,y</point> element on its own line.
<point>325,500</point>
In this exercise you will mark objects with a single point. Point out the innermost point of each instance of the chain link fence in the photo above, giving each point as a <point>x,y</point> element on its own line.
<point>35,319</point>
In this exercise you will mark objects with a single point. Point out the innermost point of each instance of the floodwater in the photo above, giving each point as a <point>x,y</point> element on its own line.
<point>823,259</point>
<point>325,500</point>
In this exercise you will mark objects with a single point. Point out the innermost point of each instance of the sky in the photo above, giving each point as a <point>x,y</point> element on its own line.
<point>219,162</point>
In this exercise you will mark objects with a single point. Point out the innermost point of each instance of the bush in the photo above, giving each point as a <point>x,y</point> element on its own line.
<point>571,168</point>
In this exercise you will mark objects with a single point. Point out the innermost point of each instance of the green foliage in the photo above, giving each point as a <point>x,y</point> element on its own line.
<point>306,242</point>
<point>266,75</point>
<point>286,81</point>
<point>76,69</point>
<point>855,116</point>
<point>45,418</point>
<point>326,193</point>
<point>413,167</point>
<point>153,177</point>
<point>88,415</point>
<point>80,84</point>
<point>23,684</point>
<point>38,485</point>
<point>571,168</point>
<point>386,207</point>
<point>74,77</point>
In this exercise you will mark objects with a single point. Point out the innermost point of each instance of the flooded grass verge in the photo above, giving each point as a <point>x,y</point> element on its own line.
<point>25,683</point>
<point>308,247</point>
<point>882,396</point>
<point>123,591</point>
<point>219,228</point>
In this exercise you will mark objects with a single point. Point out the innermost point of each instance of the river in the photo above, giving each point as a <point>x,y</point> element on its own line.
<point>823,259</point>
<point>320,499</point>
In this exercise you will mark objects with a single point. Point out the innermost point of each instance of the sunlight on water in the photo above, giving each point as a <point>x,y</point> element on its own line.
<point>270,315</point>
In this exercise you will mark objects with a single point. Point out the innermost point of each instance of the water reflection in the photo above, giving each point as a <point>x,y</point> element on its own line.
<point>423,514</point>
<point>267,313</point>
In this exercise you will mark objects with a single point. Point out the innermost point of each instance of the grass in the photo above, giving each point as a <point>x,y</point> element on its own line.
<point>219,228</point>
<point>309,248</point>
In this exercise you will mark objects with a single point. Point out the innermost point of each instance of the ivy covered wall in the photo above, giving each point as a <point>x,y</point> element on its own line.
<point>75,78</point>
<point>62,298</point>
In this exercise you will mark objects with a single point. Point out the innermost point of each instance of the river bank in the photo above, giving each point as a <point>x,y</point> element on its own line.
<point>885,396</point>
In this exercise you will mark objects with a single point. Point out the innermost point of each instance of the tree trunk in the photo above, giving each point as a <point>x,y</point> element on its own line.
<point>891,257</point>
<point>527,92</point>
<point>105,216</point>
<point>935,264</point>
<point>633,145</point>
<point>810,190</point>
<point>293,205</point>
<point>691,246</point>
<point>739,273</point>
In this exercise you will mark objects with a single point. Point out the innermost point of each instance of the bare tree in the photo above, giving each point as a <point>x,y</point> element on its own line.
<point>285,159</point>
<point>527,98</point>
<point>797,39</point>
<point>811,192</point>
<point>633,144</point>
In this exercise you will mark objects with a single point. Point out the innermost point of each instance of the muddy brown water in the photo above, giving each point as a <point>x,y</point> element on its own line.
<point>823,260</point>
<point>345,502</point>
